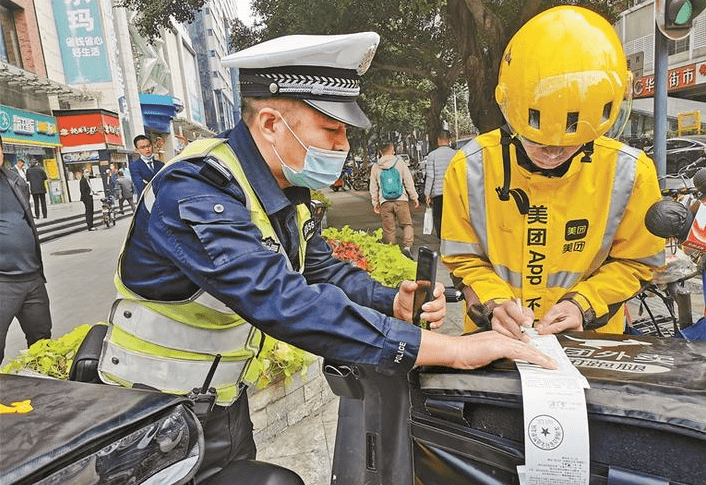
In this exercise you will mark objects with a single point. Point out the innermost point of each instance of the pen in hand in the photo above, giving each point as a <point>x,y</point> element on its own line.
<point>518,301</point>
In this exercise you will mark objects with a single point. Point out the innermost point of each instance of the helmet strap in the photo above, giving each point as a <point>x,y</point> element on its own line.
<point>587,152</point>
<point>504,192</point>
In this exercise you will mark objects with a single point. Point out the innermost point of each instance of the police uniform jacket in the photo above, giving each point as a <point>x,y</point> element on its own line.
<point>583,237</point>
<point>199,235</point>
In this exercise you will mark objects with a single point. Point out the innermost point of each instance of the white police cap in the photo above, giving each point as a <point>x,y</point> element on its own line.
<point>322,70</point>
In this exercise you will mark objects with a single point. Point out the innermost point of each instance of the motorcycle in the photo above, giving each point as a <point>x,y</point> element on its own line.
<point>108,208</point>
<point>344,180</point>
<point>442,426</point>
<point>79,431</point>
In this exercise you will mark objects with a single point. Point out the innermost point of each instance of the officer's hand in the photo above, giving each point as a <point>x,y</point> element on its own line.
<point>509,318</point>
<point>428,200</point>
<point>433,311</point>
<point>562,316</point>
<point>476,350</point>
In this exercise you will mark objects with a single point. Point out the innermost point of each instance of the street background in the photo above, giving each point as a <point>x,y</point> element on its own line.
<point>80,269</point>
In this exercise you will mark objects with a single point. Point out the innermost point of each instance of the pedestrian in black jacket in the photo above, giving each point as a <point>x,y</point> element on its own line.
<point>36,176</point>
<point>23,293</point>
<point>87,198</point>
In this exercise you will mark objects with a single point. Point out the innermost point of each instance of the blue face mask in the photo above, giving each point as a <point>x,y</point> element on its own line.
<point>321,167</point>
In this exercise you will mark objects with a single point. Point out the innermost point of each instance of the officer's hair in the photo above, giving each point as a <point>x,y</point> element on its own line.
<point>140,137</point>
<point>444,135</point>
<point>252,105</point>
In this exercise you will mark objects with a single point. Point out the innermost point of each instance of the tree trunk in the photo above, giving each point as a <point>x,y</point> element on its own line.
<point>473,21</point>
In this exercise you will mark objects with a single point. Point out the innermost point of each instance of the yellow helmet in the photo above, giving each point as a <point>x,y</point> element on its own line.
<point>563,77</point>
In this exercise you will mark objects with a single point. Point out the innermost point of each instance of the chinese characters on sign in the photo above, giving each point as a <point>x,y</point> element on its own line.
<point>89,128</point>
<point>677,78</point>
<point>83,44</point>
<point>27,127</point>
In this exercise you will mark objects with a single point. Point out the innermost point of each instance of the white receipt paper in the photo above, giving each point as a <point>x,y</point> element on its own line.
<point>555,419</point>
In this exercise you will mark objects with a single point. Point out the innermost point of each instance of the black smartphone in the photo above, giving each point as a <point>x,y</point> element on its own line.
<point>426,280</point>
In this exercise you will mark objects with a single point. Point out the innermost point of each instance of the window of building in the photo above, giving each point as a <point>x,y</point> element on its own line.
<point>209,31</point>
<point>212,53</point>
<point>681,45</point>
<point>9,46</point>
<point>214,74</point>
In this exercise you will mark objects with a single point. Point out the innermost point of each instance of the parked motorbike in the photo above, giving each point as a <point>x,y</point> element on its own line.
<point>60,432</point>
<point>344,180</point>
<point>108,207</point>
<point>439,426</point>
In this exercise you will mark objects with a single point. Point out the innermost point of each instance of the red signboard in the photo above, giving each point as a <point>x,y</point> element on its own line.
<point>88,128</point>
<point>677,78</point>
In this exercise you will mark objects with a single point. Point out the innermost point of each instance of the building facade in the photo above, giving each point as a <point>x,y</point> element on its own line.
<point>686,77</point>
<point>210,33</point>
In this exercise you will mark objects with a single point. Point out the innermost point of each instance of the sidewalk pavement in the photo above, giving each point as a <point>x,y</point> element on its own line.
<point>65,209</point>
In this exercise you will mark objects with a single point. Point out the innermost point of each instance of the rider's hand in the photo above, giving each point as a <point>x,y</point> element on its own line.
<point>433,311</point>
<point>510,318</point>
<point>476,350</point>
<point>376,208</point>
<point>562,316</point>
<point>416,203</point>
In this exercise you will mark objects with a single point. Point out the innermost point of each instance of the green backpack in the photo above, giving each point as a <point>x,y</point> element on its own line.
<point>391,182</point>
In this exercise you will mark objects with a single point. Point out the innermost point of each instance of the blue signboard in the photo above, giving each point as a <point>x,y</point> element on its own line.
<point>82,41</point>
<point>27,128</point>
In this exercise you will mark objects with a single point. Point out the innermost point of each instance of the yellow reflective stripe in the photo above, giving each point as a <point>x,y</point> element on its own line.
<point>141,321</point>
<point>122,338</point>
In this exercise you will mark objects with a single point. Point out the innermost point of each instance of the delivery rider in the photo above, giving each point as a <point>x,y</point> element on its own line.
<point>223,246</point>
<point>544,220</point>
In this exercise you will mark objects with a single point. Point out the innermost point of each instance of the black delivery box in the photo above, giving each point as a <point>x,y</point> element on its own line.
<point>646,412</point>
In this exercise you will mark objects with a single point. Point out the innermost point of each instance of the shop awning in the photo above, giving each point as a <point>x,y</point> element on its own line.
<point>157,111</point>
<point>20,80</point>
<point>191,130</point>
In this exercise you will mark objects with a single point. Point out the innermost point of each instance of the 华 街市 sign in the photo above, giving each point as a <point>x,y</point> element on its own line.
<point>88,128</point>
<point>28,128</point>
<point>82,41</point>
<point>677,78</point>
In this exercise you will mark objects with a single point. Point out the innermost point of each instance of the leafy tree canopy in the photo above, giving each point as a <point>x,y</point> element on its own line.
<point>156,14</point>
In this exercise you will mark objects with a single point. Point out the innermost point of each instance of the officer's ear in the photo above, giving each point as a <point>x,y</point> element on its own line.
<point>266,122</point>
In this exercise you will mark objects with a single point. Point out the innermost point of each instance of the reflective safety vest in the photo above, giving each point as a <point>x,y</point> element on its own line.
<point>171,345</point>
<point>584,232</point>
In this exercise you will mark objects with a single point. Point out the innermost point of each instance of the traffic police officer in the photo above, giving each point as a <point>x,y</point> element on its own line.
<point>546,210</point>
<point>223,246</point>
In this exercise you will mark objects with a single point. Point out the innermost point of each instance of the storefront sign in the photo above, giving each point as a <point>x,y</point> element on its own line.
<point>688,122</point>
<point>677,78</point>
<point>80,157</point>
<point>97,128</point>
<point>26,127</point>
<point>82,41</point>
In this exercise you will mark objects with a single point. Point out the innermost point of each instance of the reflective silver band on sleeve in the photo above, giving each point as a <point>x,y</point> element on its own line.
<point>623,186</point>
<point>476,192</point>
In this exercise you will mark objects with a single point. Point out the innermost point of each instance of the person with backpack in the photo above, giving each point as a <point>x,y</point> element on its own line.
<point>391,189</point>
